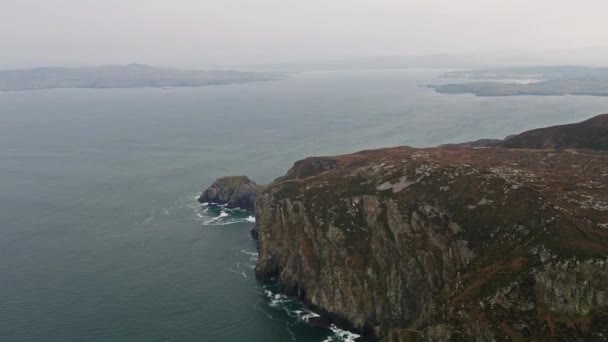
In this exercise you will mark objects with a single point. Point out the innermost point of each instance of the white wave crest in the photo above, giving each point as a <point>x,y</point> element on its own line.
<point>253,256</point>
<point>341,335</point>
<point>298,311</point>
<point>214,214</point>
<point>276,299</point>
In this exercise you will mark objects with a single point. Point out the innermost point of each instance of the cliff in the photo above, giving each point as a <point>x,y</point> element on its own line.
<point>234,191</point>
<point>447,243</point>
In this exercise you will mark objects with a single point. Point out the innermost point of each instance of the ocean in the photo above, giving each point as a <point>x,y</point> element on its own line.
<point>101,236</point>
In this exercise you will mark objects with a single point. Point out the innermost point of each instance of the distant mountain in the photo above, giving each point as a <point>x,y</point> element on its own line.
<point>589,134</point>
<point>128,76</point>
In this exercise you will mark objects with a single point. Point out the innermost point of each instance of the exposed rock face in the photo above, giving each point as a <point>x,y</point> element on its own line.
<point>444,243</point>
<point>234,191</point>
<point>590,134</point>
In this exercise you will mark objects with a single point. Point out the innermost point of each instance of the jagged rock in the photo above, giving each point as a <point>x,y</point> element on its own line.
<point>234,191</point>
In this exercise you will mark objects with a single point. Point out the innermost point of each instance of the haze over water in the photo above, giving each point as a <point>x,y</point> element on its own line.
<point>101,238</point>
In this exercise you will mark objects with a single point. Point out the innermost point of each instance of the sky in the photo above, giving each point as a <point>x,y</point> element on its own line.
<point>232,32</point>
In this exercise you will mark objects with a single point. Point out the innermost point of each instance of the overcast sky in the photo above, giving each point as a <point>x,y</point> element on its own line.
<point>225,32</point>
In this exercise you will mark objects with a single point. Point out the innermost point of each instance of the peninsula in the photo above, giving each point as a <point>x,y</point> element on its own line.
<point>490,240</point>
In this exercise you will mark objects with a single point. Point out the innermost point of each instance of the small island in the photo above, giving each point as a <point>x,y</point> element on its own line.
<point>123,76</point>
<point>539,81</point>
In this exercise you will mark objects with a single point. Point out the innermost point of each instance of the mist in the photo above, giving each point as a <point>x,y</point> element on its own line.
<point>206,33</point>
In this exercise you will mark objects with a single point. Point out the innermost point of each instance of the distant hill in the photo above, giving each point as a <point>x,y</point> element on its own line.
<point>127,76</point>
<point>589,134</point>
<point>559,87</point>
<point>543,81</point>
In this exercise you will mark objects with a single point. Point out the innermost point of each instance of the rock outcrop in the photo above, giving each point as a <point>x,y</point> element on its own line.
<point>234,191</point>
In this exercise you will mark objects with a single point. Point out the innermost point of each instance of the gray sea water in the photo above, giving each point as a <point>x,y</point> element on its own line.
<point>101,238</point>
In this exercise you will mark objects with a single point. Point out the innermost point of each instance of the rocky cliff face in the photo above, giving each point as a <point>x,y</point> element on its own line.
<point>234,191</point>
<point>444,243</point>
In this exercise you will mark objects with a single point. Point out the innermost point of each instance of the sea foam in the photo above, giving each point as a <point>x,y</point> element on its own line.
<point>295,309</point>
<point>215,214</point>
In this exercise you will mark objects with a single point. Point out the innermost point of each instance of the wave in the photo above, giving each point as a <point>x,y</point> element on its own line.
<point>253,256</point>
<point>341,335</point>
<point>209,214</point>
<point>214,214</point>
<point>297,310</point>
<point>243,263</point>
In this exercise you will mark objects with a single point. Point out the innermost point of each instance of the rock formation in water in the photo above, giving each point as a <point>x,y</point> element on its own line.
<point>234,191</point>
<point>447,243</point>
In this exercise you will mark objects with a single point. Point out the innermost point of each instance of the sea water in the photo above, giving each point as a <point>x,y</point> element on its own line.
<point>101,235</point>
